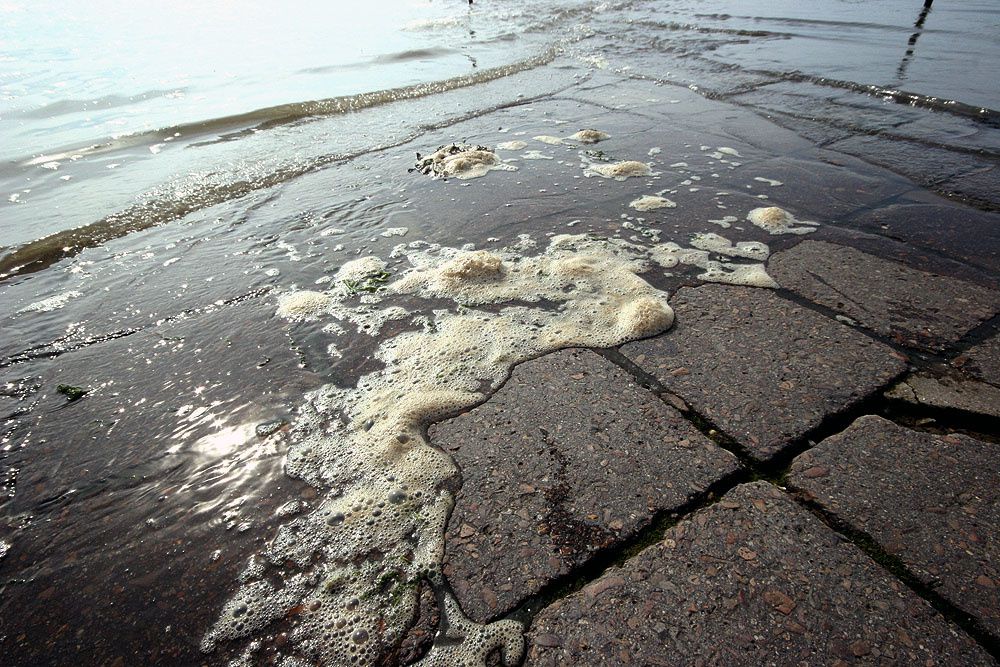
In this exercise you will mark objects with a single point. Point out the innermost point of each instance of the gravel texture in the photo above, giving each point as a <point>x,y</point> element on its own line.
<point>568,458</point>
<point>752,580</point>
<point>914,308</point>
<point>763,369</point>
<point>931,500</point>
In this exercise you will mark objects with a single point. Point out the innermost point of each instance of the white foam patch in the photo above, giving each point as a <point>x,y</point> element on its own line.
<point>589,136</point>
<point>726,150</point>
<point>535,155</point>
<point>462,161</point>
<point>651,203</point>
<point>302,305</point>
<point>770,181</point>
<point>395,231</point>
<point>747,275</point>
<point>619,170</point>
<point>723,246</point>
<point>725,222</point>
<point>775,220</point>
<point>514,145</point>
<point>358,269</point>
<point>669,255</point>
<point>51,303</point>
<point>547,139</point>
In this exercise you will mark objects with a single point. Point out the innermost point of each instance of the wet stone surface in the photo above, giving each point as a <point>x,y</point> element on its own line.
<point>752,580</point>
<point>950,393</point>
<point>568,458</point>
<point>982,360</point>
<point>881,295</point>
<point>763,369</point>
<point>931,500</point>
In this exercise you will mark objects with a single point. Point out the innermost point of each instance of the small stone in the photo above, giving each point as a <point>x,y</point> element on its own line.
<point>860,648</point>
<point>594,589</point>
<point>466,531</point>
<point>985,581</point>
<point>548,640</point>
<point>779,601</point>
<point>816,471</point>
<point>746,554</point>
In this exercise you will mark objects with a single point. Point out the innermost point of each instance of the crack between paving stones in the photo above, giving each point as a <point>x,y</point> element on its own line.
<point>616,556</point>
<point>895,566</point>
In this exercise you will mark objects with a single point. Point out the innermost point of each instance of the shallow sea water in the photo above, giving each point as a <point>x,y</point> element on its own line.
<point>167,176</point>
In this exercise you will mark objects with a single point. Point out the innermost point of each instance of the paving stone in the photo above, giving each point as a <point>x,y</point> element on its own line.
<point>931,500</point>
<point>763,369</point>
<point>568,458</point>
<point>914,308</point>
<point>751,580</point>
<point>949,392</point>
<point>982,360</point>
<point>959,232</point>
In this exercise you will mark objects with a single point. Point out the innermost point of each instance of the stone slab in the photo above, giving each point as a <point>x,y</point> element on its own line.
<point>751,580</point>
<point>568,458</point>
<point>950,393</point>
<point>914,308</point>
<point>932,500</point>
<point>982,360</point>
<point>958,232</point>
<point>763,369</point>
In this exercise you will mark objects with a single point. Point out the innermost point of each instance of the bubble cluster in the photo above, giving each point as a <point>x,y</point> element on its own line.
<point>619,170</point>
<point>589,136</point>
<point>462,161</point>
<point>651,203</point>
<point>776,220</point>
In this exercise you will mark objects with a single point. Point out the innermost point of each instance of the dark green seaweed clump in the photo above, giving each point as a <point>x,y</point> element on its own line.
<point>71,392</point>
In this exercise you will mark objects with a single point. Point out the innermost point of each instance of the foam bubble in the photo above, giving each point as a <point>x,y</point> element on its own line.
<point>548,139</point>
<point>770,181</point>
<point>589,136</point>
<point>723,246</point>
<point>461,161</point>
<point>777,220</point>
<point>619,170</point>
<point>302,304</point>
<point>514,145</point>
<point>651,203</point>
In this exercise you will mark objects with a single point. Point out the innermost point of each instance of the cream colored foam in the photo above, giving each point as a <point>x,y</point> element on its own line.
<point>589,136</point>
<point>619,170</point>
<point>723,246</point>
<point>462,161</point>
<point>514,145</point>
<point>548,139</point>
<point>358,269</point>
<point>302,305</point>
<point>777,220</point>
<point>651,203</point>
